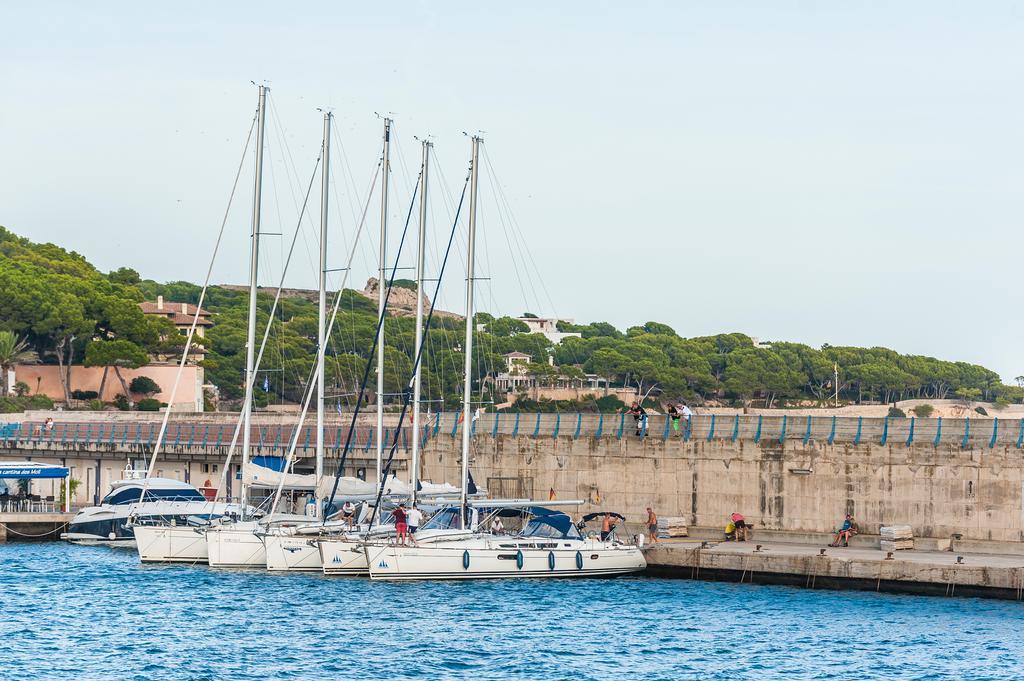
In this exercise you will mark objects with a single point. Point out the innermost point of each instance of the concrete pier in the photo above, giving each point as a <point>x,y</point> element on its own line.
<point>33,526</point>
<point>935,573</point>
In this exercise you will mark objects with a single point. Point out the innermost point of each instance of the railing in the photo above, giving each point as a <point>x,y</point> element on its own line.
<point>761,429</point>
<point>139,436</point>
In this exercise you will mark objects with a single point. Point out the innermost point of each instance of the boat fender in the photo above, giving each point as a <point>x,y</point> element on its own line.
<point>465,560</point>
<point>519,560</point>
<point>579,560</point>
<point>551,560</point>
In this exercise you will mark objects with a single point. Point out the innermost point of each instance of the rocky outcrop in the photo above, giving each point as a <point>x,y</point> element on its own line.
<point>402,301</point>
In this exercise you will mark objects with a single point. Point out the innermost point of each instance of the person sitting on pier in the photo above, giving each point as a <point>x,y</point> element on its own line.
<point>741,529</point>
<point>848,529</point>
<point>639,415</point>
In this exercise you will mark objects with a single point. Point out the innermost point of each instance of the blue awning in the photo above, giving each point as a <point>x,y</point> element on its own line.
<point>31,469</point>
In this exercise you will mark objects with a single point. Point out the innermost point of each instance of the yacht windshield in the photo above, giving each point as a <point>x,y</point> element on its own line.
<point>554,526</point>
<point>445,519</point>
<point>131,495</point>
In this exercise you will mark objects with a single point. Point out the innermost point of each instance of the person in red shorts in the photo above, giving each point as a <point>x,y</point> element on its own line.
<point>401,523</point>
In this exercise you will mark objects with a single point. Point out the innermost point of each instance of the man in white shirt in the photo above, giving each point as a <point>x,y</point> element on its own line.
<point>414,517</point>
<point>348,509</point>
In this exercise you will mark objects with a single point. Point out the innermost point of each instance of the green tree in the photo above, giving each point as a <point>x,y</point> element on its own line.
<point>13,350</point>
<point>116,354</point>
<point>143,385</point>
<point>125,275</point>
<point>506,326</point>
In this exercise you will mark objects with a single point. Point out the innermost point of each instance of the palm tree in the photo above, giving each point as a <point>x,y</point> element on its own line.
<point>13,351</point>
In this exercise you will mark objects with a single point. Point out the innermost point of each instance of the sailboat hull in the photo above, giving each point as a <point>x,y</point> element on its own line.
<point>292,553</point>
<point>236,546</point>
<point>170,544</point>
<point>487,560</point>
<point>341,556</point>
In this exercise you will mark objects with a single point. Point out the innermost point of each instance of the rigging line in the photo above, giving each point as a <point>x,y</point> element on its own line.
<point>334,312</point>
<point>247,407</point>
<point>289,164</point>
<point>373,348</point>
<point>524,244</point>
<point>350,177</point>
<point>330,337</point>
<point>523,247</point>
<point>408,390</point>
<point>512,247</point>
<point>347,173</point>
<point>444,340</point>
<point>199,305</point>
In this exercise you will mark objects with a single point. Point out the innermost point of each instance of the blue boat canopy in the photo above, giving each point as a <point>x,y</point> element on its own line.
<point>552,525</point>
<point>31,469</point>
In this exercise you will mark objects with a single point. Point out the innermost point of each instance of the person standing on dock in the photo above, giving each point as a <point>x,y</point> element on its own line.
<point>639,415</point>
<point>687,413</point>
<point>652,525</point>
<point>673,414</point>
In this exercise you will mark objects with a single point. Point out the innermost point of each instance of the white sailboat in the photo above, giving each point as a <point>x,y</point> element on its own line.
<point>298,548</point>
<point>233,545</point>
<point>549,546</point>
<point>171,542</point>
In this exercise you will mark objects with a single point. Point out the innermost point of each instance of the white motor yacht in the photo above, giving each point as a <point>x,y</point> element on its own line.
<point>165,501</point>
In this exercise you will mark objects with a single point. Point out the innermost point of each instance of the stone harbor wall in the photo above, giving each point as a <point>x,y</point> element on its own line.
<point>939,490</point>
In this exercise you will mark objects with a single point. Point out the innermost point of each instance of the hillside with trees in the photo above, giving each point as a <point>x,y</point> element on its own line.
<point>62,310</point>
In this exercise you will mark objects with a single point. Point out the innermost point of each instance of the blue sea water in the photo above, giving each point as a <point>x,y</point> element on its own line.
<point>96,613</point>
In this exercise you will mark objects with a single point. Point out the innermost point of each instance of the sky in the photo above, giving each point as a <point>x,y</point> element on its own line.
<point>843,173</point>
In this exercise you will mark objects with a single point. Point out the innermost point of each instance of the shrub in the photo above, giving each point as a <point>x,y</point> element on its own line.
<point>39,402</point>
<point>143,385</point>
<point>84,394</point>
<point>96,405</point>
<point>13,405</point>
<point>924,410</point>
<point>148,404</point>
<point>897,412</point>
<point>21,388</point>
<point>609,403</point>
<point>1001,403</point>
<point>121,402</point>
<point>981,410</point>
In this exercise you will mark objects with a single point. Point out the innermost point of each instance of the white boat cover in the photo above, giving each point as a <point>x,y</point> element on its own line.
<point>348,487</point>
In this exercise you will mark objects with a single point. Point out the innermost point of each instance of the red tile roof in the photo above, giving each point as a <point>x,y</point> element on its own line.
<point>181,314</point>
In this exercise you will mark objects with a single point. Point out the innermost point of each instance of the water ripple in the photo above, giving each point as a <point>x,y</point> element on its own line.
<point>75,612</point>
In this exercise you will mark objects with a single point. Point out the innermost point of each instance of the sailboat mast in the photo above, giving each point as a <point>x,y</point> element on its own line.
<point>381,285</point>
<point>254,257</point>
<point>321,337</point>
<point>418,378</point>
<point>467,392</point>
